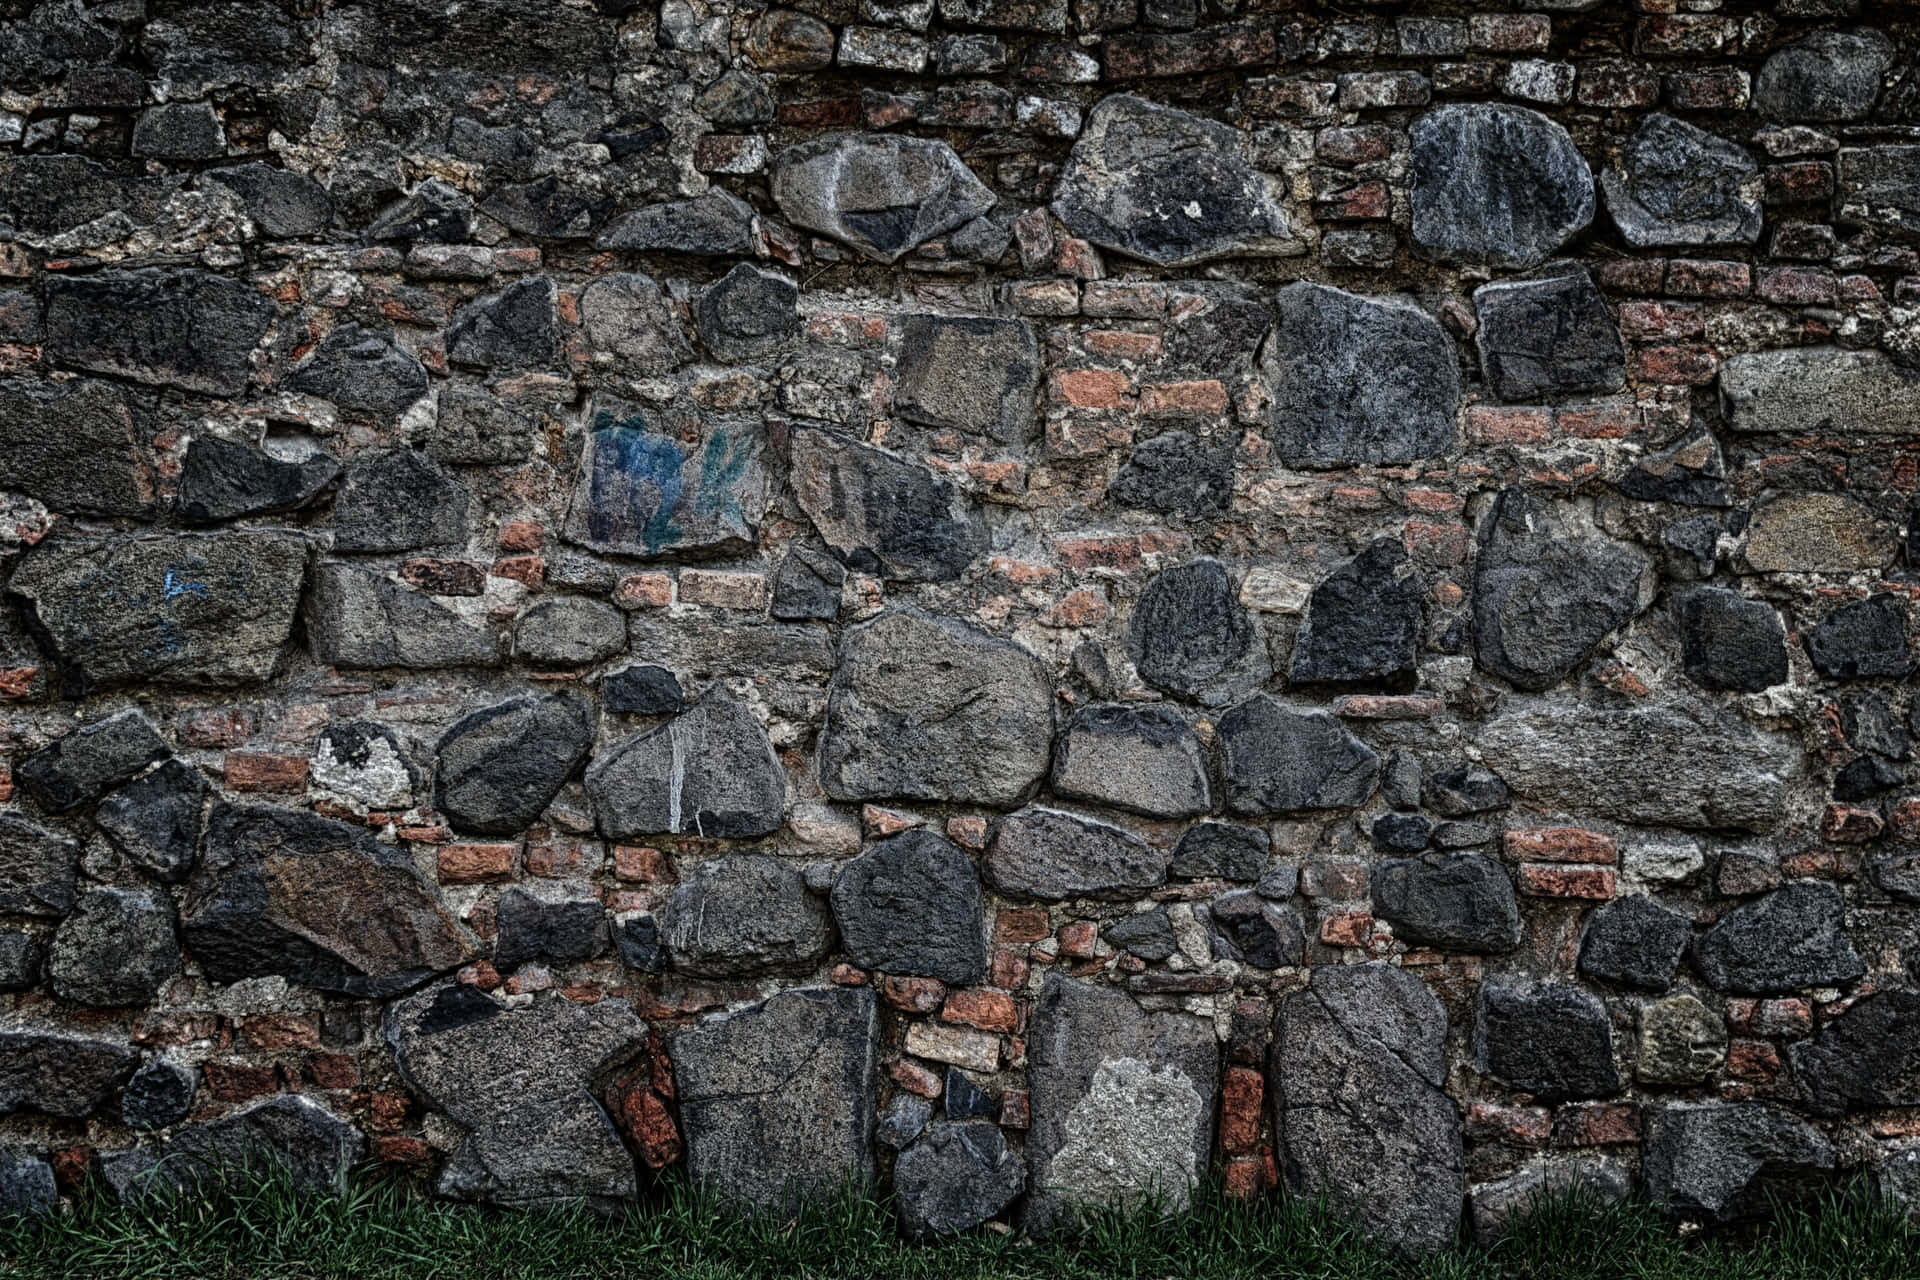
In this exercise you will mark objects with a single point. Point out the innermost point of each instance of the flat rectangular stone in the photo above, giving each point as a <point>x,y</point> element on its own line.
<point>957,1046</point>
<point>1811,389</point>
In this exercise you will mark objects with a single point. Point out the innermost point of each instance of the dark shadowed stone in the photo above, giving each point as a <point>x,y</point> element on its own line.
<point>881,513</point>
<point>59,1074</point>
<point>637,941</point>
<point>1820,390</point>
<point>749,314</point>
<point>1452,902</point>
<point>905,1118</point>
<point>1730,642</point>
<point>912,700</point>
<point>90,761</point>
<point>1544,599</point>
<point>1897,875</point>
<point>399,500</point>
<point>1122,1104</point>
<point>883,194</point>
<point>1400,833</point>
<point>1636,942</point>
<point>1595,1182</point>
<point>1360,1114</point>
<point>1179,472</point>
<point>1552,335</point>
<point>569,631</point>
<point>1252,931</point>
<point>1047,854</point>
<point>645,492</point>
<point>292,1133</point>
<point>224,480</point>
<point>744,915</point>
<point>434,213</point>
<point>1190,634</point>
<point>1496,185</point>
<point>73,446</point>
<point>962,1099</point>
<point>1464,791</point>
<point>1220,850</point>
<point>281,204</point>
<point>709,771</point>
<point>27,1185</point>
<point>1278,760</point>
<point>168,327</point>
<point>317,902</point>
<point>548,1151</point>
<point>540,920</point>
<point>1171,187</point>
<point>356,618</point>
<point>1681,762</point>
<point>1880,186</point>
<point>117,948</point>
<point>911,905</point>
<point>1329,406</point>
<point>1545,1038</point>
<point>1724,1161</point>
<point>205,610</point>
<point>548,209</point>
<point>1147,934</point>
<point>21,957</point>
<point>956,1177</point>
<point>511,329</point>
<point>361,369</point>
<point>1871,723</point>
<point>714,225</point>
<point>776,1100</point>
<point>39,870</point>
<point>1676,185</point>
<point>1146,759</point>
<point>628,316</point>
<point>1869,1056</point>
<point>159,1095</point>
<point>1362,628</point>
<point>806,587</point>
<point>1829,77</point>
<point>1865,639</point>
<point>642,691</point>
<point>1692,472</point>
<point>1865,778</point>
<point>968,373</point>
<point>1794,937</point>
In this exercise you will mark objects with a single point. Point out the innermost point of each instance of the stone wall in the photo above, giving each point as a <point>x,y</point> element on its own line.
<point>1029,598</point>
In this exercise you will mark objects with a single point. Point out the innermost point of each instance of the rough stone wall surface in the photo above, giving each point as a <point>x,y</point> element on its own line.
<point>1027,598</point>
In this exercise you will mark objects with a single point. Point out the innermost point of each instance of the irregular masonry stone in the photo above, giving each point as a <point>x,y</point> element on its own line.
<point>1636,942</point>
<point>159,1095</point>
<point>1818,390</point>
<point>881,513</point>
<point>1681,1041</point>
<point>1220,850</point>
<point>1464,790</point>
<point>399,500</point>
<point>1452,902</point>
<point>1869,1056</point>
<point>750,314</point>
<point>1363,623</point>
<point>170,327</point>
<point>511,329</point>
<point>1144,759</point>
<point>645,492</point>
<point>709,771</point>
<point>744,915</point>
<point>912,906</point>
<point>626,315</point>
<point>1172,187</point>
<point>1278,760</point>
<point>1147,934</point>
<point>1723,1161</point>
<point>1793,937</point>
<point>1047,854</point>
<point>1692,472</point>
<point>21,959</point>
<point>1176,472</point>
<point>1730,642</point>
<point>1189,633</point>
<point>883,194</point>
<point>39,869</point>
<point>955,1177</point>
<point>1829,77</point>
<point>807,587</point>
<point>1816,533</point>
<point>1674,185</point>
<point>911,700</point>
<point>1549,1039</point>
<point>976,374</point>
<point>361,369</point>
<point>27,1186</point>
<point>1880,186</point>
<point>714,225</point>
<point>60,1074</point>
<point>1496,185</point>
<point>542,920</point>
<point>357,618</point>
<point>91,760</point>
<point>1251,931</point>
<point>642,690</point>
<point>117,948</point>
<point>280,202</point>
<point>1867,638</point>
<point>496,770</point>
<point>293,1133</point>
<point>365,764</point>
<point>222,480</point>
<point>1598,1182</point>
<point>74,446</point>
<point>1550,335</point>
<point>569,631</point>
<point>776,1100</point>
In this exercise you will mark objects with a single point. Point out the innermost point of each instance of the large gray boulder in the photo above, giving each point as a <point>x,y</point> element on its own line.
<point>954,1177</point>
<point>912,905</point>
<point>58,1073</point>
<point>39,870</point>
<point>78,768</point>
<point>1496,185</point>
<point>1724,1161</point>
<point>1550,1039</point>
<point>1190,635</point>
<point>883,194</point>
<point>881,513</point>
<point>1830,77</point>
<point>1550,335</point>
<point>1674,185</point>
<point>709,771</point>
<point>1452,902</point>
<point>118,948</point>
<point>976,374</point>
<point>73,446</point>
<point>314,1148</point>
<point>496,770</point>
<point>644,491</point>
<point>1363,622</point>
<point>1869,1056</point>
<point>166,327</point>
<point>1278,760</point>
<point>358,618</point>
<point>1793,937</point>
<point>1145,759</point>
<point>745,915</point>
<point>1047,854</point>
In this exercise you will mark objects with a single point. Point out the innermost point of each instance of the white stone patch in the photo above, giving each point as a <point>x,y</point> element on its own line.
<point>380,783</point>
<point>1130,1140</point>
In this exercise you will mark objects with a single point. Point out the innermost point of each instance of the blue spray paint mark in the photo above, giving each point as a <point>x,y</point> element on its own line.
<point>170,588</point>
<point>636,484</point>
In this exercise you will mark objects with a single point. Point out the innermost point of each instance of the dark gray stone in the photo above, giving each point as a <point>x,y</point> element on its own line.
<point>73,446</point>
<point>547,209</point>
<point>511,329</point>
<point>744,915</point>
<point>905,1119</point>
<point>627,315</point>
<point>1400,833</point>
<point>1496,185</point>
<point>1865,778</point>
<point>1145,759</point>
<point>547,921</point>
<point>1880,187</point>
<point>709,771</point>
<point>1794,937</point>
<point>433,213</point>
<point>317,902</point>
<point>223,480</point>
<point>1552,335</point>
<point>1897,875</point>
<point>1171,187</point>
<point>881,513</point>
<point>91,761</point>
<point>39,870</point>
<point>1828,78</point>
<point>399,500</point>
<point>159,1094</point>
<point>883,194</point>
<point>1278,760</point>
<point>806,587</point>
<point>912,699</point>
<point>1692,473</point>
<point>167,327</point>
<point>315,1148</point>
<point>1543,599</point>
<point>1863,640</point>
<point>715,225</point>
<point>749,314</point>
<point>1725,1161</point>
<point>737,98</point>
<point>912,906</point>
<point>643,491</point>
<point>1147,934</point>
<point>27,1186</point>
<point>1869,1056</point>
<point>1675,185</point>
<point>281,204</point>
<point>117,948</point>
<point>1871,724</point>
<point>356,618</point>
<point>1451,902</point>
<point>642,690</point>
<point>1176,472</point>
<point>1360,1113</point>
<point>1190,635</point>
<point>1594,1182</point>
<point>956,1177</point>
<point>1636,942</point>
<point>1050,855</point>
<point>1220,849</point>
<point>1328,406</point>
<point>1362,628</point>
<point>1252,931</point>
<point>776,1100</point>
<point>21,958</point>
<point>974,374</point>
<point>569,631</point>
<point>474,429</point>
<point>58,1074</point>
<point>549,1151</point>
<point>1545,1038</point>
<point>1465,790</point>
<point>361,369</point>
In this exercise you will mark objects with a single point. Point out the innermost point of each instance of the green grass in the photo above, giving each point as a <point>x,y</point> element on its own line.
<point>386,1230</point>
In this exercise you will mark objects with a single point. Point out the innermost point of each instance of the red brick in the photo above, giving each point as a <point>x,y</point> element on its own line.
<point>1633,275</point>
<point>1092,388</point>
<point>1796,286</point>
<point>1540,880</point>
<point>642,1118</point>
<point>277,1032</point>
<point>1024,924</point>
<point>644,591</point>
<point>402,1152</point>
<point>1346,929</point>
<point>1850,824</point>
<point>333,1070</point>
<point>1560,844</point>
<point>214,727</point>
<point>1756,1061</point>
<point>521,535</point>
<point>476,863</point>
<point>529,571</point>
<point>1242,1093</point>
<point>1616,84</point>
<point>1123,344</point>
<point>1078,939</point>
<point>1166,399</point>
<point>72,1167</point>
<point>1115,299</point>
<point>1244,1177</point>
<point>1009,968</point>
<point>1801,182</point>
<point>1015,1110</point>
<point>1677,366</point>
<point>1597,1124</point>
<point>1117,552</point>
<point>237,1082</point>
<point>1494,1122</point>
<point>1504,424</point>
<point>265,771</point>
<point>554,859</point>
<point>640,864</point>
<point>913,995</point>
<point>1787,1016</point>
<point>968,832</point>
<point>914,1078</point>
<point>1905,816</point>
<point>1598,422</point>
<point>1708,89</point>
<point>445,577</point>
<point>1662,320</point>
<point>987,1010</point>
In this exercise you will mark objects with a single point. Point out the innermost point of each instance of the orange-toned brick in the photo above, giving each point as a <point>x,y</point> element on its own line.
<point>1081,554</point>
<point>644,591</point>
<point>1540,880</point>
<point>1242,1094</point>
<point>1092,388</point>
<point>476,863</point>
<point>529,571</point>
<point>1346,929</point>
<point>1509,424</point>
<point>987,1010</point>
<point>1166,399</point>
<point>521,535</point>
<point>265,771</point>
<point>1021,924</point>
<point>1560,844</point>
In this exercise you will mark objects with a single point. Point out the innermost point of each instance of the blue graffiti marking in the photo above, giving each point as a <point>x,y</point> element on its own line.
<point>636,484</point>
<point>170,588</point>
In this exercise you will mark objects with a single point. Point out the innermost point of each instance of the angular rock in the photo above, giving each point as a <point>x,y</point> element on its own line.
<point>1897,875</point>
<point>26,1186</point>
<point>1047,854</point>
<point>1328,407</point>
<point>569,631</point>
<point>709,771</point>
<point>744,915</point>
<point>913,697</point>
<point>361,369</point>
<point>1362,627</point>
<point>1551,335</point>
<point>1869,1056</point>
<point>315,1149</point>
<point>881,513</point>
<point>1122,1104</point>
<point>548,921</point>
<point>912,906</point>
<point>1400,833</point>
<point>317,902</point>
<point>160,1094</point>
<point>58,1074</point>
<point>642,691</point>
<point>356,618</point>
<point>645,492</point>
<point>1147,934</point>
<point>1636,942</point>
<point>636,937</point>
<point>433,213</point>
<point>1176,471</point>
<point>75,447</point>
<point>884,194</point>
<point>21,958</point>
<point>1545,1038</point>
<point>1816,533</point>
<point>1730,642</point>
<point>1865,778</point>
<point>1680,763</point>
<point>1692,472</point>
<point>1190,634</point>
<point>1675,185</point>
<point>365,764</point>
<point>1144,759</point>
<point>1880,187</point>
<point>749,314</point>
<point>1871,724</point>
<point>496,770</point>
<point>1828,78</point>
<point>1464,791</point>
<point>1866,639</point>
<point>1249,930</point>
<point>399,500</point>
<point>715,225</point>
<point>776,1100</point>
<point>548,1151</point>
<point>1724,1161</point>
<point>1595,1182</point>
<point>968,373</point>
<point>1496,185</point>
<point>1220,850</point>
<point>222,480</point>
<point>282,204</point>
<point>117,948</point>
<point>39,870</point>
<point>90,761</point>
<point>1356,1074</point>
<point>170,327</point>
<point>1896,1182</point>
<point>1794,937</point>
<point>806,587</point>
<point>1451,902</point>
<point>1681,1041</point>
<point>627,315</point>
<point>511,329</point>
<point>958,1175</point>
<point>1278,760</point>
<point>200,610</point>
<point>1819,391</point>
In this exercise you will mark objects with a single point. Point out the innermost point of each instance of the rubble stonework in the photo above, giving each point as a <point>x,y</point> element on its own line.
<point>1026,602</point>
